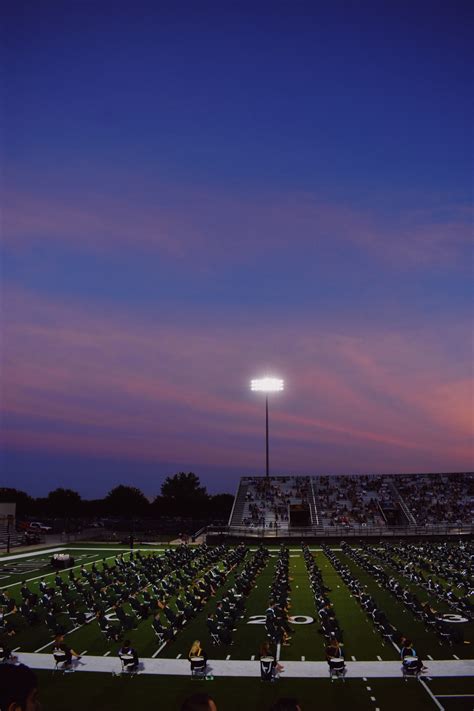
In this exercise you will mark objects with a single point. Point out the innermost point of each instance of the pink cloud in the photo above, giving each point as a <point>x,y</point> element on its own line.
<point>116,383</point>
<point>206,228</point>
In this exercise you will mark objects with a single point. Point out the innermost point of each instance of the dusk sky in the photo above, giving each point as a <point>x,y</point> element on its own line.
<point>196,194</point>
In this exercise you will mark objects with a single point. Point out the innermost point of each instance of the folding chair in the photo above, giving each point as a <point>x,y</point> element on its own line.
<point>410,667</point>
<point>5,654</point>
<point>160,637</point>
<point>128,663</point>
<point>267,667</point>
<point>198,667</point>
<point>337,668</point>
<point>59,658</point>
<point>215,639</point>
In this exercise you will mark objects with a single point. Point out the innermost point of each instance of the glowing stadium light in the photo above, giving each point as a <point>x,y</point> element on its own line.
<point>267,385</point>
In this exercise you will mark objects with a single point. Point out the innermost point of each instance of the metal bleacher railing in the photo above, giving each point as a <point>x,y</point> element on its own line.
<point>339,531</point>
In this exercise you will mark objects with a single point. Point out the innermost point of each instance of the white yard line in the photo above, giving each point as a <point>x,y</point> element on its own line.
<point>47,575</point>
<point>158,650</point>
<point>428,690</point>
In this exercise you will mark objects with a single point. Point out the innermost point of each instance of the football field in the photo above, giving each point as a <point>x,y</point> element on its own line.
<point>373,679</point>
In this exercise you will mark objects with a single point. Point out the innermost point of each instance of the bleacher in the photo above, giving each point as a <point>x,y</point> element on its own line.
<point>265,503</point>
<point>356,502</point>
<point>15,537</point>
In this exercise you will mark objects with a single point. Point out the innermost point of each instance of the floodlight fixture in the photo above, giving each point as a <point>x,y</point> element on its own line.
<point>267,385</point>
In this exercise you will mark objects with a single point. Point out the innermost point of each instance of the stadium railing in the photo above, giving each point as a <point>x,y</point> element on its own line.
<point>340,531</point>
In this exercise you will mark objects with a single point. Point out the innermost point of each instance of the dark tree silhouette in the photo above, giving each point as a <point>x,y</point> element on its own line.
<point>183,486</point>
<point>64,503</point>
<point>24,504</point>
<point>126,501</point>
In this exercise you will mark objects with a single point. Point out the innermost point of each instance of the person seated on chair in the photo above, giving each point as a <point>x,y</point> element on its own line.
<point>18,688</point>
<point>5,652</point>
<point>267,650</point>
<point>6,625</point>
<point>108,629</point>
<point>197,651</point>
<point>167,632</point>
<point>409,651</point>
<point>60,647</point>
<point>129,655</point>
<point>334,650</point>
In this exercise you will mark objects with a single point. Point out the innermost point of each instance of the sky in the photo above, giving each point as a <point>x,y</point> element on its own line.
<point>197,194</point>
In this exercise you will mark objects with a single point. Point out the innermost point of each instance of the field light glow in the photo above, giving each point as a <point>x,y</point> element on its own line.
<point>267,385</point>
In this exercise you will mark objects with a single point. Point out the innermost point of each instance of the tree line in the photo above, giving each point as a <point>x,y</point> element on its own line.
<point>180,495</point>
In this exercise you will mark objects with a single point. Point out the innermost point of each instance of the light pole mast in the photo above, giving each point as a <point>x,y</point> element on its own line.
<point>266,423</point>
<point>267,385</point>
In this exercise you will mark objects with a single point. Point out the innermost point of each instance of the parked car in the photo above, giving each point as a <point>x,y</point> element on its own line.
<point>40,527</point>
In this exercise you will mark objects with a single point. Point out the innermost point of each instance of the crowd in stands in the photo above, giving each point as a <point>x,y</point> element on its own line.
<point>268,500</point>
<point>434,498</point>
<point>351,500</point>
<point>357,501</point>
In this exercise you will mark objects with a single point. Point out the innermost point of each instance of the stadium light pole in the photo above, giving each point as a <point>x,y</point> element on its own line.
<point>267,385</point>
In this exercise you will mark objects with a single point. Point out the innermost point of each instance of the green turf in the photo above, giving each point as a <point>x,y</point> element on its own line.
<point>106,693</point>
<point>360,638</point>
<point>426,641</point>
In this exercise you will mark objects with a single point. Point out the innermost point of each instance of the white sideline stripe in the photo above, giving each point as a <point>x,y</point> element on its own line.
<point>427,689</point>
<point>66,547</point>
<point>31,553</point>
<point>246,668</point>
<point>158,650</point>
